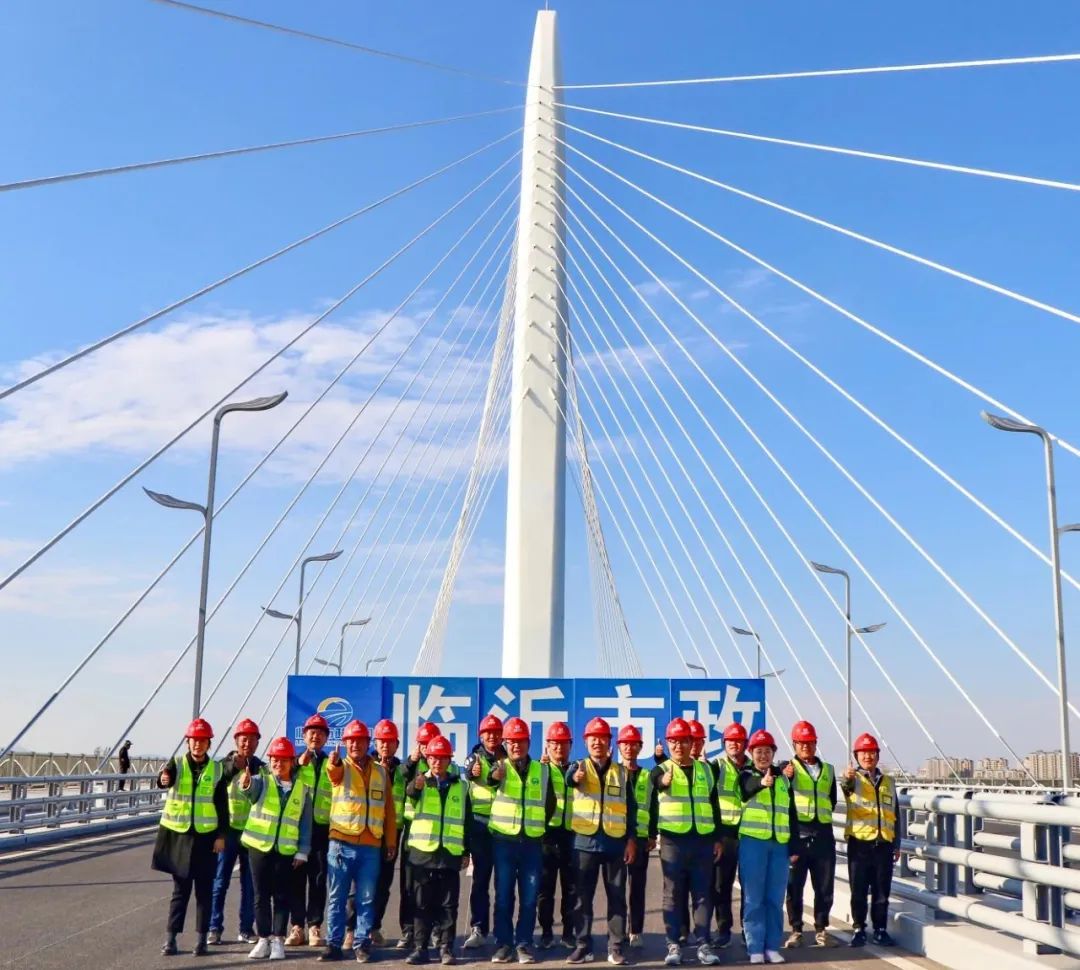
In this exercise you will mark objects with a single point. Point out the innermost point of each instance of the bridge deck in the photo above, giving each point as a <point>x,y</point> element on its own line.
<point>96,905</point>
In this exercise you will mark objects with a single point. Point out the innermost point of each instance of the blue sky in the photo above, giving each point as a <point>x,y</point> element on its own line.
<point>101,85</point>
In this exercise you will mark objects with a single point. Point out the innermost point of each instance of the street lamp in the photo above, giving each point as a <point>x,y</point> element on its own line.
<point>690,666</point>
<point>207,511</point>
<point>341,645</point>
<point>848,630</point>
<point>757,669</point>
<point>373,660</point>
<point>1008,424</point>
<point>298,616</point>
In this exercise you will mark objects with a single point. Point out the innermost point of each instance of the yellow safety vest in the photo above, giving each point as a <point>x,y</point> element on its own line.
<point>272,825</point>
<point>727,791</point>
<point>765,816</point>
<point>480,793</point>
<point>812,794</point>
<point>561,818</point>
<point>519,806</point>
<point>684,806</point>
<point>321,787</point>
<point>593,805</point>
<point>187,802</point>
<point>397,787</point>
<point>421,769</point>
<point>436,822</point>
<point>871,809</point>
<point>239,806</point>
<point>643,797</point>
<point>357,805</point>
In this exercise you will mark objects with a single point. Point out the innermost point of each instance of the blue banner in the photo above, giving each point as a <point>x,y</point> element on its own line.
<point>456,704</point>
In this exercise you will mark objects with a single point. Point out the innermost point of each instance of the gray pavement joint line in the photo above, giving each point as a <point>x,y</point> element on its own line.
<point>322,463</point>
<point>101,500</point>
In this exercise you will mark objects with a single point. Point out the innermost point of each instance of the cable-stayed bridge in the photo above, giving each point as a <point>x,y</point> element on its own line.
<point>763,464</point>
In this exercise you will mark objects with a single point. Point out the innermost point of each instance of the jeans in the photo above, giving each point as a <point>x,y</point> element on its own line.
<point>686,862</point>
<point>724,884</point>
<point>517,870</point>
<point>272,874</point>
<point>308,899</point>
<point>382,890</point>
<point>225,862</point>
<point>817,857</point>
<point>480,895</point>
<point>588,867</point>
<point>348,865</point>
<point>763,874</point>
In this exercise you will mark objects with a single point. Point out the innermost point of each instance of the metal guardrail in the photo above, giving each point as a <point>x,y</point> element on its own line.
<point>44,808</point>
<point>999,860</point>
<point>42,764</point>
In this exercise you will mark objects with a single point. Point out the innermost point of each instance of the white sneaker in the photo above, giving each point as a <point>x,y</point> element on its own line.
<point>277,948</point>
<point>757,957</point>
<point>706,957</point>
<point>674,955</point>
<point>474,940</point>
<point>261,950</point>
<point>773,956</point>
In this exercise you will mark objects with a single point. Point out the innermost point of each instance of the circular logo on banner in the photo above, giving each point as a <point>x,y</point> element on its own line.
<point>337,711</point>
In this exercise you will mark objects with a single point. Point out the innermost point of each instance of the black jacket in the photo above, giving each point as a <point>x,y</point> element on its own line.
<point>813,829</point>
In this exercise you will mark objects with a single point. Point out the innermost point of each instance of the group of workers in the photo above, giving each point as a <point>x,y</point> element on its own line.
<point>321,834</point>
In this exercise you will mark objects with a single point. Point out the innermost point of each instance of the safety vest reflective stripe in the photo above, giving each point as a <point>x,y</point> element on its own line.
<point>188,803</point>
<point>812,794</point>
<point>397,786</point>
<point>593,805</point>
<point>561,818</point>
<point>480,794</point>
<point>358,804</point>
<point>270,824</point>
<point>422,769</point>
<point>871,809</point>
<point>727,792</point>
<point>436,822</point>
<point>643,797</point>
<point>321,788</point>
<point>519,807</point>
<point>683,805</point>
<point>765,816</point>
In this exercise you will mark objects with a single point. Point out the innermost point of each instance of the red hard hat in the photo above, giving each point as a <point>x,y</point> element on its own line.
<point>629,734</point>
<point>199,729</point>
<point>597,728</point>
<point>317,721</point>
<point>281,748</point>
<point>515,729</point>
<point>559,731</point>
<point>804,731</point>
<point>426,732</point>
<point>247,726</point>
<point>697,730</point>
<point>866,742</point>
<point>759,738</point>
<point>677,729</point>
<point>440,747</point>
<point>386,730</point>
<point>491,723</point>
<point>355,729</point>
<point>735,732</point>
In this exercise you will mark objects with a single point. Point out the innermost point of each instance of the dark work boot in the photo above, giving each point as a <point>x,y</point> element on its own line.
<point>169,947</point>
<point>201,949</point>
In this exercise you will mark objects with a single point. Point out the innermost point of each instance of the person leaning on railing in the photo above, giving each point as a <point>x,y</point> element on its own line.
<point>192,832</point>
<point>873,842</point>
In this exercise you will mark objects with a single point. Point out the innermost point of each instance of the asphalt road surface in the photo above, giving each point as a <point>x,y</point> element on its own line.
<point>97,905</point>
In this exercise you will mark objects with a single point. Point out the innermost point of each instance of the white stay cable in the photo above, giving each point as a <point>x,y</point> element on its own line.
<point>749,481</point>
<point>880,422</point>
<point>431,647</point>
<point>833,149</point>
<point>176,558</point>
<point>834,227</point>
<point>727,498</point>
<point>248,150</point>
<point>835,462</point>
<point>99,502</point>
<point>834,72</point>
<point>288,509</point>
<point>444,420</point>
<point>236,274</point>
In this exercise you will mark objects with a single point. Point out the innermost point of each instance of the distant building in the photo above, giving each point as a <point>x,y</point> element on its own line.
<point>990,766</point>
<point>946,769</point>
<point>1047,765</point>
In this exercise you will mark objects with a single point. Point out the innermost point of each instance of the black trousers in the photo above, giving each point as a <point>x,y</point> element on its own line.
<point>271,872</point>
<point>588,867</point>
<point>382,892</point>
<point>483,863</point>
<point>308,892</point>
<point>435,905</point>
<point>636,876</point>
<point>406,889</point>
<point>203,883</point>
<point>724,873</point>
<point>870,869</point>
<point>557,856</point>
<point>688,874</point>
<point>817,857</point>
